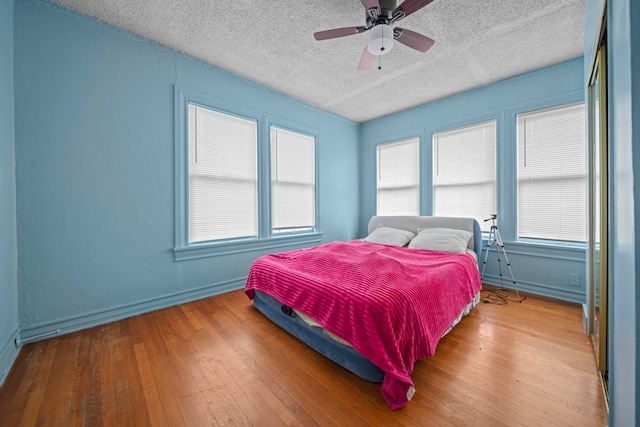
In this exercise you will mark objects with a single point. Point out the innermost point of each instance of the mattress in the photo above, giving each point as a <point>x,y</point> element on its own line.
<point>324,342</point>
<point>317,338</point>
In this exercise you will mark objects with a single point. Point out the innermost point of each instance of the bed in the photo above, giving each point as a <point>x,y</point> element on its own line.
<point>378,304</point>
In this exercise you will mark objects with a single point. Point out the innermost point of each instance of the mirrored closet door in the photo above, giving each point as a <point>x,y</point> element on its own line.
<point>598,207</point>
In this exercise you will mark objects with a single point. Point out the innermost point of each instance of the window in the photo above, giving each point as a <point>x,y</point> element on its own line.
<point>293,188</point>
<point>464,172</point>
<point>551,174</point>
<point>223,195</point>
<point>398,183</point>
<point>222,176</point>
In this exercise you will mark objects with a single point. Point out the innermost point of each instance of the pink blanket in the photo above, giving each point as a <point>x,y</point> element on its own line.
<point>391,304</point>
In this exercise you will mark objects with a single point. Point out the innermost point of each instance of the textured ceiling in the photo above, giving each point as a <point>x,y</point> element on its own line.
<point>271,42</point>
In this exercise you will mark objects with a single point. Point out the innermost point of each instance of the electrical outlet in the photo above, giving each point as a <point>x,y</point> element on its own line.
<point>574,279</point>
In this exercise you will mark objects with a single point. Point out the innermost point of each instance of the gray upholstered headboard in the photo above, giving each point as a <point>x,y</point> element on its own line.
<point>412,223</point>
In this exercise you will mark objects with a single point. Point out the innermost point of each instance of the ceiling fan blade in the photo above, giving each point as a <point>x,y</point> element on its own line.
<point>407,8</point>
<point>368,4</point>
<point>412,39</point>
<point>372,7</point>
<point>338,32</point>
<point>366,60</point>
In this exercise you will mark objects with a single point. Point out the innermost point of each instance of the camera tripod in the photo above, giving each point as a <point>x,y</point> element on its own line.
<point>496,240</point>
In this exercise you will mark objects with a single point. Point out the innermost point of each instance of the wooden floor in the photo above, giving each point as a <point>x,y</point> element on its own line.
<point>218,361</point>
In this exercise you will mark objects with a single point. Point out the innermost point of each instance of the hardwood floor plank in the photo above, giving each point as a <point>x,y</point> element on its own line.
<point>58,406</point>
<point>20,382</point>
<point>219,362</point>
<point>108,338</point>
<point>94,397</point>
<point>77,404</point>
<point>37,394</point>
<point>163,369</point>
<point>154,407</point>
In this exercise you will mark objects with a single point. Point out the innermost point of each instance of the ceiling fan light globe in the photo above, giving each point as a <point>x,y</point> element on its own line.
<point>380,40</point>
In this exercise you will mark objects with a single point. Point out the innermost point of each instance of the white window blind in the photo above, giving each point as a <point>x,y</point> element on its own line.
<point>551,174</point>
<point>464,172</point>
<point>222,176</point>
<point>398,183</point>
<point>293,188</point>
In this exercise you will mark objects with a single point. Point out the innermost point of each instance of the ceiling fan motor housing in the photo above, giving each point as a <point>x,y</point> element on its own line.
<point>380,39</point>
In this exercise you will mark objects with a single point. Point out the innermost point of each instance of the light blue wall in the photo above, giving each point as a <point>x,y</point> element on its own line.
<point>623,47</point>
<point>542,269</point>
<point>95,141</point>
<point>8,248</point>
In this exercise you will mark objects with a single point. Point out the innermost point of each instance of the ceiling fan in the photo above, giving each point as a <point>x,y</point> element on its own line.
<point>381,15</point>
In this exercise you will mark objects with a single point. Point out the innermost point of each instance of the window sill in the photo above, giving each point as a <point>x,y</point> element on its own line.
<point>568,251</point>
<point>206,250</point>
<point>577,246</point>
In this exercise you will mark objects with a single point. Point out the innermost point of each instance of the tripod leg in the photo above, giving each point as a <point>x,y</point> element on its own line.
<point>499,265</point>
<point>486,254</point>
<point>511,273</point>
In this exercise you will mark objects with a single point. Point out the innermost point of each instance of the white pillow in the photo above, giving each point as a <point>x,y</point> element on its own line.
<point>389,236</point>
<point>442,240</point>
